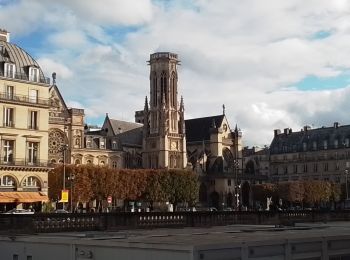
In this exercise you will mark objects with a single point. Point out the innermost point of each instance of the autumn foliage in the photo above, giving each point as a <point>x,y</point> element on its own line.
<point>312,192</point>
<point>97,183</point>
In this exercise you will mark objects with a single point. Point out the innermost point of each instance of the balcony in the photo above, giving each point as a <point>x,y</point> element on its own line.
<point>24,76</point>
<point>21,99</point>
<point>23,162</point>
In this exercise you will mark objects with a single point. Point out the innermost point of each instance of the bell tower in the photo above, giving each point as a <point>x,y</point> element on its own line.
<point>164,144</point>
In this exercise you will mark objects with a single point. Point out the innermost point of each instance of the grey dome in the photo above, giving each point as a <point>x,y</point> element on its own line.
<point>11,53</point>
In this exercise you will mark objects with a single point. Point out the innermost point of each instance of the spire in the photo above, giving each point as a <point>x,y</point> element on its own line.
<point>146,105</point>
<point>182,107</point>
<point>223,109</point>
<point>236,129</point>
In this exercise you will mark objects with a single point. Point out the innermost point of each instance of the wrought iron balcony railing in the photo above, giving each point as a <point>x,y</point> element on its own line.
<point>23,99</point>
<point>24,162</point>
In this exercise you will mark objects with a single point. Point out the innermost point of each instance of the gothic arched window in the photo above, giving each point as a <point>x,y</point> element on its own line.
<point>163,87</point>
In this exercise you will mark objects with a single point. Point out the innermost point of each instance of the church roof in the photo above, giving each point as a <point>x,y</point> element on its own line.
<point>198,129</point>
<point>119,126</point>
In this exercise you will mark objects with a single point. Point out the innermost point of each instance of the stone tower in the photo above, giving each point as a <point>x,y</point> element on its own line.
<point>164,141</point>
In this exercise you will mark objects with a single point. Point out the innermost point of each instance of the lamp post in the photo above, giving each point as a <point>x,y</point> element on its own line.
<point>346,183</point>
<point>237,186</point>
<point>71,179</point>
<point>65,147</point>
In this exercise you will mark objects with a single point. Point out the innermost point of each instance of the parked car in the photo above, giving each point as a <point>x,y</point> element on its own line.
<point>20,211</point>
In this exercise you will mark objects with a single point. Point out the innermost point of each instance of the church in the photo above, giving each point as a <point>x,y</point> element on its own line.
<point>160,137</point>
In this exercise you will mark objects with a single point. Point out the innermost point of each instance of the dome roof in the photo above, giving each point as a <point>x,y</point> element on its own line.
<point>11,53</point>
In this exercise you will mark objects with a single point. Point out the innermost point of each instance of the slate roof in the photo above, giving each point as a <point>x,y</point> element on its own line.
<point>131,138</point>
<point>198,129</point>
<point>11,53</point>
<point>119,126</point>
<point>128,133</point>
<point>293,142</point>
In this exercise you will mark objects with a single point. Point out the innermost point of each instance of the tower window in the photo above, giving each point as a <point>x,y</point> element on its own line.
<point>163,87</point>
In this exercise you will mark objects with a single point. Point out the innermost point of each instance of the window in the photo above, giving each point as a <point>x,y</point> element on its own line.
<point>10,70</point>
<point>336,143</point>
<point>315,167</point>
<point>325,144</point>
<point>15,257</point>
<point>33,120</point>
<point>228,182</point>
<point>32,182</point>
<point>9,92</point>
<point>346,142</point>
<point>89,162</point>
<point>285,169</point>
<point>102,144</point>
<point>325,167</point>
<point>114,164</point>
<point>33,74</point>
<point>32,152</point>
<point>295,168</point>
<point>33,96</point>
<point>9,117</point>
<point>7,181</point>
<point>77,162</point>
<point>114,145</point>
<point>88,143</point>
<point>336,166</point>
<point>304,147</point>
<point>305,167</point>
<point>314,145</point>
<point>7,151</point>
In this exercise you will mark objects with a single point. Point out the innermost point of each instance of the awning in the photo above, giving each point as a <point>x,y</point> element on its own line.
<point>22,197</point>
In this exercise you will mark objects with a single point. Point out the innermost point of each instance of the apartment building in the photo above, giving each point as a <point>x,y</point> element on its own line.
<point>24,106</point>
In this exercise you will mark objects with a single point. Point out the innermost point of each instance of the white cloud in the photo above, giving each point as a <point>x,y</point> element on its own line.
<point>49,66</point>
<point>245,54</point>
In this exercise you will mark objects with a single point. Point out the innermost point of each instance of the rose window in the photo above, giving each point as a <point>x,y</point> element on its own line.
<point>56,141</point>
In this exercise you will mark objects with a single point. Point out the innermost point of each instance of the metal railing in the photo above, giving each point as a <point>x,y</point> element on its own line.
<point>24,76</point>
<point>24,162</point>
<point>54,222</point>
<point>23,99</point>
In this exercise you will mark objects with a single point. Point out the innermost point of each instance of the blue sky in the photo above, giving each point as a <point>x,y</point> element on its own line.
<point>274,64</point>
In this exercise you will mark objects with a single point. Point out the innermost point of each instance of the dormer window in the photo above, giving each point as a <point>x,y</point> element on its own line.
<point>335,143</point>
<point>325,144</point>
<point>10,70</point>
<point>33,74</point>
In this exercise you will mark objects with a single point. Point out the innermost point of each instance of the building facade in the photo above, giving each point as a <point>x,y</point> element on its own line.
<point>311,154</point>
<point>24,105</point>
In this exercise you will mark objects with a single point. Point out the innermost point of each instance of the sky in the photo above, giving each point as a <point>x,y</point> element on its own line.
<point>274,64</point>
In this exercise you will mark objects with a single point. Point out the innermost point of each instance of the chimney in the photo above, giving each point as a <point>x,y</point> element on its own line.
<point>290,130</point>
<point>307,127</point>
<point>286,131</point>
<point>277,132</point>
<point>336,125</point>
<point>4,35</point>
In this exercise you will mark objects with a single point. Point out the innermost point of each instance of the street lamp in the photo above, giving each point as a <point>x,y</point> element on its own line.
<point>237,186</point>
<point>71,179</point>
<point>346,183</point>
<point>64,148</point>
